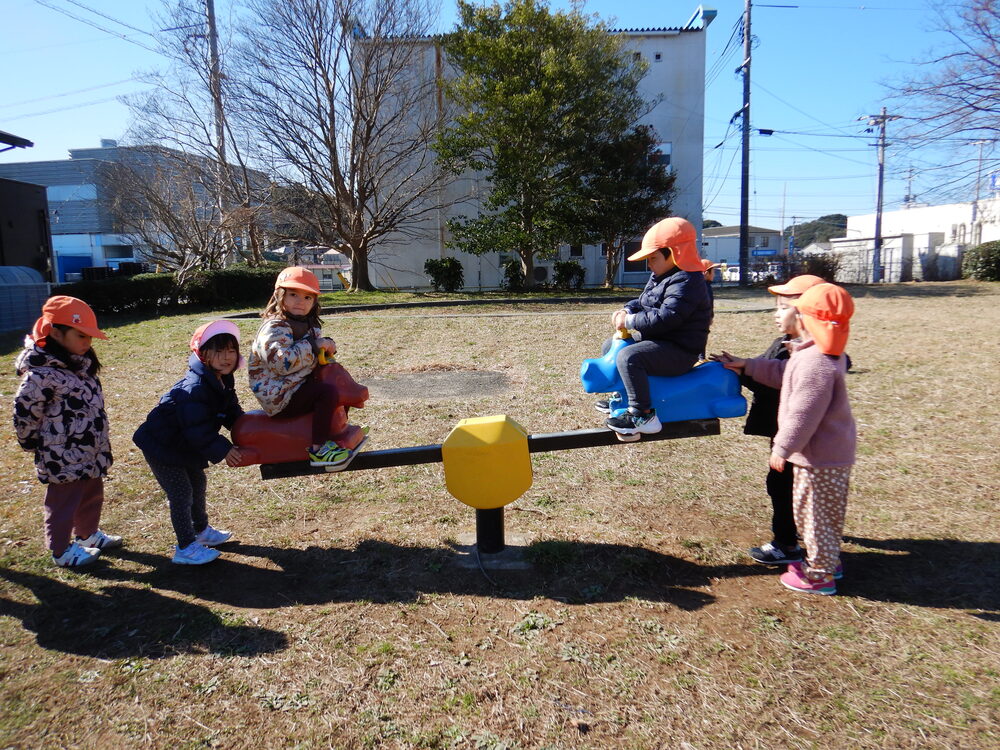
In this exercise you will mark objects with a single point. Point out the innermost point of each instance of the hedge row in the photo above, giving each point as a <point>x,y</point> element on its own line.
<point>151,292</point>
<point>982,262</point>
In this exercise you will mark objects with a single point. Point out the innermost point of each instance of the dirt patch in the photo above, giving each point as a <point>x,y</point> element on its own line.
<point>435,382</point>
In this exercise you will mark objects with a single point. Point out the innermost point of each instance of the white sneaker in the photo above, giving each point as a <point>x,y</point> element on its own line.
<point>211,537</point>
<point>194,554</point>
<point>100,540</point>
<point>76,556</point>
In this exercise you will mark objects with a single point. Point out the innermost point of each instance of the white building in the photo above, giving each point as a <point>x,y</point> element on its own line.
<point>722,245</point>
<point>918,243</point>
<point>676,78</point>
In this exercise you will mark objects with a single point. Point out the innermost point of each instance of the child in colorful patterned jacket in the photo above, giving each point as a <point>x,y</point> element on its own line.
<point>283,360</point>
<point>59,414</point>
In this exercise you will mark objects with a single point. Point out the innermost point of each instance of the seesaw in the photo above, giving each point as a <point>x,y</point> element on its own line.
<point>486,460</point>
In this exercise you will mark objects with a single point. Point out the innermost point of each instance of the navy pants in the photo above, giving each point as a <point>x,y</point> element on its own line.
<point>636,362</point>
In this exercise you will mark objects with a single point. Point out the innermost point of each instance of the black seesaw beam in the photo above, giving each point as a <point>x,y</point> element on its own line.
<point>540,443</point>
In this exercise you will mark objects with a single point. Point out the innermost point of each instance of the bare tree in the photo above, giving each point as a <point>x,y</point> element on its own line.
<point>162,203</point>
<point>185,115</point>
<point>343,97</point>
<point>952,101</point>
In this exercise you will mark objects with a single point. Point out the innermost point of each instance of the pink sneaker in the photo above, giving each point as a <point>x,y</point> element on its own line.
<point>795,579</point>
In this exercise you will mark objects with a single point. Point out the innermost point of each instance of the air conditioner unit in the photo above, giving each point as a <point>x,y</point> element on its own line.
<point>543,272</point>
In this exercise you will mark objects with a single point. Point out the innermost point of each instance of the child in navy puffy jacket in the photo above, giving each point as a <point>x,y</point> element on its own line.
<point>181,436</point>
<point>669,320</point>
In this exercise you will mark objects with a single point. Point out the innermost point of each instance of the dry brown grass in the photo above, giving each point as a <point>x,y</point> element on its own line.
<point>340,620</point>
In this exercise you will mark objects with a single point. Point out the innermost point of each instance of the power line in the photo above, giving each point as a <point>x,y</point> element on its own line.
<point>105,15</point>
<point>67,93</point>
<point>97,26</point>
<point>65,109</point>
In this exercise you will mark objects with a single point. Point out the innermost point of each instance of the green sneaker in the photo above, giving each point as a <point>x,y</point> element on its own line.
<point>329,454</point>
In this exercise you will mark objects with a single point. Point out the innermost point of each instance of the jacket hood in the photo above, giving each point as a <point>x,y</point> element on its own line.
<point>33,357</point>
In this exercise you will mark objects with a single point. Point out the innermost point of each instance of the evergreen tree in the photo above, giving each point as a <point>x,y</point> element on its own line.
<point>539,94</point>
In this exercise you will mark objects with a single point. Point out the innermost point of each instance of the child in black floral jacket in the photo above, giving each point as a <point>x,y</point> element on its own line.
<point>59,414</point>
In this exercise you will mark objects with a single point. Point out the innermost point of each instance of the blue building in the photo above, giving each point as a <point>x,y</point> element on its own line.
<point>83,233</point>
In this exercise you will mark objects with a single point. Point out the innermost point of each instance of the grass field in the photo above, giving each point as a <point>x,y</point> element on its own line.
<point>341,619</point>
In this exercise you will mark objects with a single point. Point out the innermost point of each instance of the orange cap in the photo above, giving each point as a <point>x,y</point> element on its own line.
<point>796,285</point>
<point>677,234</point>
<point>707,265</point>
<point>297,277</point>
<point>66,311</point>
<point>826,313</point>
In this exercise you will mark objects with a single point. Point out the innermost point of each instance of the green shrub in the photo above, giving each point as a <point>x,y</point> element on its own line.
<point>446,274</point>
<point>513,276</point>
<point>982,262</point>
<point>232,287</point>
<point>568,274</point>
<point>824,265</point>
<point>145,292</point>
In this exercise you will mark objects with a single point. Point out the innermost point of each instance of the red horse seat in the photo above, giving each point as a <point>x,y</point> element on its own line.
<point>277,440</point>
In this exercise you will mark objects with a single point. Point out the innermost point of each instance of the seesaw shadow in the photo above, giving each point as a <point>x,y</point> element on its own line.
<point>122,622</point>
<point>377,571</point>
<point>943,573</point>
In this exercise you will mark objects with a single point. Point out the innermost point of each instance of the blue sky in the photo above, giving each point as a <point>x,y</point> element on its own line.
<point>817,67</point>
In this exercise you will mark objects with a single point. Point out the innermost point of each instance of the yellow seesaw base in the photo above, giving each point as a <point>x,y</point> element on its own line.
<point>486,461</point>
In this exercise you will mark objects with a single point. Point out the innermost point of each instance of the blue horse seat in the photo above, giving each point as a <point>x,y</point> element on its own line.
<point>707,391</point>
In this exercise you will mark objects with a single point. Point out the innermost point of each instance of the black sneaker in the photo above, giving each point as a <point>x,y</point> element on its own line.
<point>772,554</point>
<point>608,405</point>
<point>630,423</point>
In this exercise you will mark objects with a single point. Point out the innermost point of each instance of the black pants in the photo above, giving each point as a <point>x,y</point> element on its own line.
<point>779,487</point>
<point>185,487</point>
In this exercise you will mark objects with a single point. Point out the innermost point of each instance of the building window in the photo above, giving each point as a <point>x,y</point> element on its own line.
<point>633,266</point>
<point>576,251</point>
<point>663,153</point>
<point>961,235</point>
<point>117,251</point>
<point>57,193</point>
<point>657,57</point>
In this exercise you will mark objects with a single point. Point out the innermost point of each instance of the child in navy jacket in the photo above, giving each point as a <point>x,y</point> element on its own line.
<point>669,321</point>
<point>181,436</point>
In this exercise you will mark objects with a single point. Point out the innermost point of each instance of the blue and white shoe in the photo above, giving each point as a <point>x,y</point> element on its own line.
<point>630,423</point>
<point>213,537</point>
<point>609,405</point>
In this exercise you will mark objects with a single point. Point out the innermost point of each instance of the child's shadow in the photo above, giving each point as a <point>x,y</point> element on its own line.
<point>378,571</point>
<point>124,622</point>
<point>944,573</point>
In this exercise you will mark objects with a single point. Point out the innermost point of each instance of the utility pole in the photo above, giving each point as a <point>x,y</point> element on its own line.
<point>215,90</point>
<point>879,121</point>
<point>745,172</point>
<point>979,179</point>
<point>215,80</point>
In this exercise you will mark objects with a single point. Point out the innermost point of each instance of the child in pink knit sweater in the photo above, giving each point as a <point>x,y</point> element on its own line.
<point>816,432</point>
